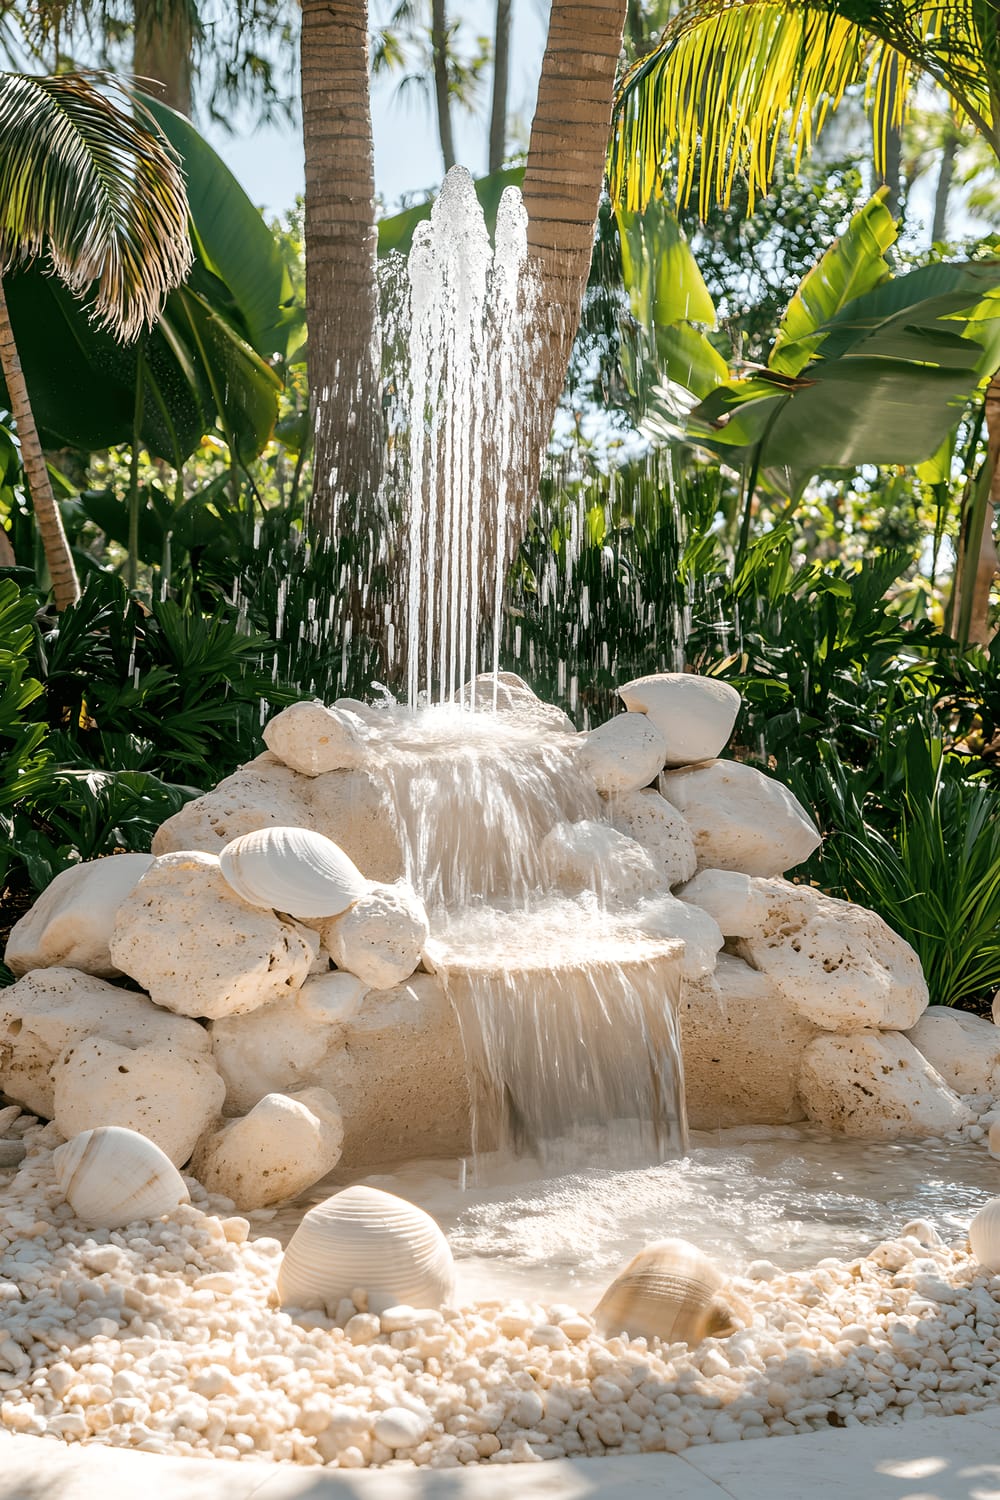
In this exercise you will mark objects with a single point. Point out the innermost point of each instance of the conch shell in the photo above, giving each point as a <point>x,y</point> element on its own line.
<point>669,1291</point>
<point>363,1237</point>
<point>984,1235</point>
<point>113,1176</point>
<point>292,870</point>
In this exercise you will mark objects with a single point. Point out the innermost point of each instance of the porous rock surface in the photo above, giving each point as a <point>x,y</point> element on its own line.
<point>876,1085</point>
<point>49,1010</point>
<point>659,828</point>
<point>285,1144</point>
<point>590,856</point>
<point>741,819</point>
<point>70,924</point>
<point>311,738</point>
<point>743,1049</point>
<point>380,937</point>
<point>837,964</point>
<point>695,715</point>
<point>623,754</point>
<point>199,950</point>
<point>735,901</point>
<point>170,1096</point>
<point>264,793</point>
<point>666,917</point>
<point>963,1048</point>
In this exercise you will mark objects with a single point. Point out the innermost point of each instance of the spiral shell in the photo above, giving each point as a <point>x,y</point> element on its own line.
<point>292,870</point>
<point>669,1291</point>
<point>112,1176</point>
<point>363,1237</point>
<point>984,1235</point>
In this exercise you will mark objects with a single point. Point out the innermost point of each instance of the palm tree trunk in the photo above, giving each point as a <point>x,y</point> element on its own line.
<point>939,224</point>
<point>65,584</point>
<point>501,80</point>
<point>442,94</point>
<point>341,250</point>
<point>162,49</point>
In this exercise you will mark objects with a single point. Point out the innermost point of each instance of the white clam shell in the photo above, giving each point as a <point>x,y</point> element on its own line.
<point>363,1237</point>
<point>669,1291</point>
<point>112,1176</point>
<point>293,870</point>
<point>984,1235</point>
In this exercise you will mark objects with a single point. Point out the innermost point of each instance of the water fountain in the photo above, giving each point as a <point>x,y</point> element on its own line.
<point>412,936</point>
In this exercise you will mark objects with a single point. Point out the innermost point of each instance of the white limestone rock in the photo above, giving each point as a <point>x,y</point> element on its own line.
<point>666,917</point>
<point>373,715</point>
<point>837,964</point>
<point>650,819</point>
<point>963,1048</point>
<point>379,938</point>
<point>281,1047</point>
<point>742,1049</point>
<point>876,1086</point>
<point>312,739</point>
<point>353,809</point>
<point>70,924</point>
<point>285,1144</point>
<point>512,696</point>
<point>199,949</point>
<point>167,1095</point>
<point>588,856</point>
<point>264,793</point>
<point>695,715</point>
<point>622,755</point>
<point>49,1010</point>
<point>741,819</point>
<point>735,901</point>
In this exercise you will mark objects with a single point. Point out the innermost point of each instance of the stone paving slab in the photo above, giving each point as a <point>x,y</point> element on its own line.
<point>951,1458</point>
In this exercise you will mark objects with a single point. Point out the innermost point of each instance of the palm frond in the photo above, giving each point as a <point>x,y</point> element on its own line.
<point>95,190</point>
<point>728,76</point>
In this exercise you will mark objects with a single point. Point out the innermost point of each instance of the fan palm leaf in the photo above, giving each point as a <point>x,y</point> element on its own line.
<point>96,191</point>
<point>727,76</point>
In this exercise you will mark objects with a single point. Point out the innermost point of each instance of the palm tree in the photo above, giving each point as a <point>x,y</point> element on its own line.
<point>729,76</point>
<point>101,197</point>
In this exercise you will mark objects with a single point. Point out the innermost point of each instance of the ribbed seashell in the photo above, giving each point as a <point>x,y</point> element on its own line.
<point>293,870</point>
<point>984,1235</point>
<point>112,1176</point>
<point>363,1237</point>
<point>669,1291</point>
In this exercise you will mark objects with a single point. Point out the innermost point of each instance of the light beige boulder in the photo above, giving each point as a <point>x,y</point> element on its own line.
<point>285,1144</point>
<point>661,830</point>
<point>963,1048</point>
<point>622,755</point>
<point>740,818</point>
<point>264,793</point>
<point>876,1085</point>
<point>666,917</point>
<point>735,901</point>
<point>186,937</point>
<point>506,693</point>
<point>281,1047</point>
<point>742,1048</point>
<point>70,924</point>
<point>311,738</point>
<point>169,1096</point>
<point>381,937</point>
<point>374,715</point>
<point>354,810</point>
<point>49,1010</point>
<point>837,964</point>
<point>589,856</point>
<point>695,715</point>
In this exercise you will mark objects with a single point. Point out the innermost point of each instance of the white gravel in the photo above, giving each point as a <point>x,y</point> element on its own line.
<point>168,1338</point>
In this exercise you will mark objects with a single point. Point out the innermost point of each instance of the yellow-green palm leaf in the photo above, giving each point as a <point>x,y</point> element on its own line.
<point>93,190</point>
<point>729,75</point>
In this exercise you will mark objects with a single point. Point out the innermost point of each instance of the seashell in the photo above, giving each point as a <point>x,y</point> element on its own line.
<point>984,1235</point>
<point>363,1237</point>
<point>112,1176</point>
<point>292,870</point>
<point>669,1291</point>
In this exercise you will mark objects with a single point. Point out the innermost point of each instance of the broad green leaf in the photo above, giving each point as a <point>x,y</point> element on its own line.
<point>853,265</point>
<point>687,357</point>
<point>661,274</point>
